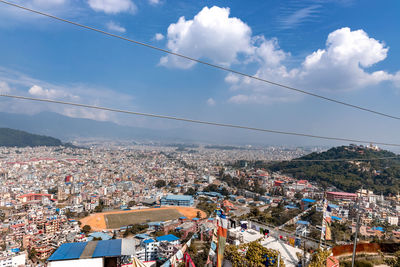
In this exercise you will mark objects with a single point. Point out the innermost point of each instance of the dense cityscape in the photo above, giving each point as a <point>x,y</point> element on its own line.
<point>186,133</point>
<point>52,196</point>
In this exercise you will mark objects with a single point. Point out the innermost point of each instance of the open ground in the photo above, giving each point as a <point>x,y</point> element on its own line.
<point>116,219</point>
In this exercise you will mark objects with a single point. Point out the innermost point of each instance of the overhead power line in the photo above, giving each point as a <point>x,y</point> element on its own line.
<point>198,121</point>
<point>205,62</point>
<point>338,160</point>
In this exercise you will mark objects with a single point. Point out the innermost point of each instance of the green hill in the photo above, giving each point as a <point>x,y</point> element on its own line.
<point>381,176</point>
<point>16,138</point>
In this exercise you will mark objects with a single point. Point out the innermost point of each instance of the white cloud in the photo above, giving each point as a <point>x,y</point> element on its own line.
<point>48,3</point>
<point>299,16</point>
<point>158,36</point>
<point>154,2</point>
<point>340,66</point>
<point>215,36</point>
<point>4,88</point>
<point>80,93</point>
<point>211,102</point>
<point>37,90</point>
<point>211,34</point>
<point>232,78</point>
<point>112,6</point>
<point>113,26</point>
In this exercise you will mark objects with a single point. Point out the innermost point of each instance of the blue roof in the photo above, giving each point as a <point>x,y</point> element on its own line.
<point>178,197</point>
<point>169,238</point>
<point>182,218</point>
<point>107,248</point>
<point>333,206</point>
<point>154,223</point>
<point>195,219</point>
<point>303,222</point>
<point>68,251</point>
<point>379,228</point>
<point>336,218</point>
<point>147,241</point>
<point>308,200</point>
<point>290,207</point>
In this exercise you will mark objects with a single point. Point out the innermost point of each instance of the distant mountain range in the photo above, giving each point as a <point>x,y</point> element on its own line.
<point>67,128</point>
<point>16,138</point>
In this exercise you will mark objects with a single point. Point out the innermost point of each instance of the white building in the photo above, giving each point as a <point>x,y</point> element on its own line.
<point>13,261</point>
<point>393,220</point>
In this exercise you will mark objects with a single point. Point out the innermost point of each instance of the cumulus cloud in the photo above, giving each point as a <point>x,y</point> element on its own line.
<point>158,36</point>
<point>211,34</point>
<point>211,102</point>
<point>218,38</point>
<point>115,27</point>
<point>37,90</point>
<point>4,88</point>
<point>112,6</point>
<point>154,2</point>
<point>342,65</point>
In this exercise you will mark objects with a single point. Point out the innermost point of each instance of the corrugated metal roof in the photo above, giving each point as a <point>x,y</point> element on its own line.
<point>68,251</point>
<point>178,197</point>
<point>168,238</point>
<point>108,248</point>
<point>94,249</point>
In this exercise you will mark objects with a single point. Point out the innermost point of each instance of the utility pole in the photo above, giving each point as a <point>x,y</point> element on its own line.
<point>279,259</point>
<point>357,226</point>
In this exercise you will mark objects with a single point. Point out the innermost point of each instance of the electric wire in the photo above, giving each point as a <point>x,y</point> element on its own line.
<point>197,121</point>
<point>336,160</point>
<point>204,62</point>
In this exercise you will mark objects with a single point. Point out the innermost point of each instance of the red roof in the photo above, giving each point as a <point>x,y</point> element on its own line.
<point>34,194</point>
<point>18,225</point>
<point>343,194</point>
<point>332,262</point>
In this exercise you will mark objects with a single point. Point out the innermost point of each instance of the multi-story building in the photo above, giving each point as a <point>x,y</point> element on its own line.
<point>337,196</point>
<point>392,220</point>
<point>177,200</point>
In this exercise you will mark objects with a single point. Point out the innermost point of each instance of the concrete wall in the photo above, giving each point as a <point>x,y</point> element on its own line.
<point>98,262</point>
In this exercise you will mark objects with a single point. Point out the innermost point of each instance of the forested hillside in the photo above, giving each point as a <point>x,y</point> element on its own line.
<point>382,176</point>
<point>16,138</point>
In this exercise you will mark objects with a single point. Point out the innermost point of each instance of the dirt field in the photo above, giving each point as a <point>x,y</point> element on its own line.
<point>116,219</point>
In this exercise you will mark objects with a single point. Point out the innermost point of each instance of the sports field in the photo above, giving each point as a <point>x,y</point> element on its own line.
<point>116,219</point>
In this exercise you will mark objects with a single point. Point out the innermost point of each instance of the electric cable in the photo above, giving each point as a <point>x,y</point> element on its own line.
<point>197,121</point>
<point>204,62</point>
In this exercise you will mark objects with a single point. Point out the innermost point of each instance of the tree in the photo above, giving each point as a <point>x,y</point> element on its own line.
<point>32,253</point>
<point>131,203</point>
<point>98,208</point>
<point>191,191</point>
<point>160,183</point>
<point>232,254</point>
<point>319,258</point>
<point>198,214</point>
<point>254,211</point>
<point>257,255</point>
<point>86,229</point>
<point>298,195</point>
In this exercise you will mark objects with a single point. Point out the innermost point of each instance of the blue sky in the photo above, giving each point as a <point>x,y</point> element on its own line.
<point>348,50</point>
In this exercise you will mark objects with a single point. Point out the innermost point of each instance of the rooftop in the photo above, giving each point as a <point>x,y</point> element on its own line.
<point>178,197</point>
<point>94,249</point>
<point>169,238</point>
